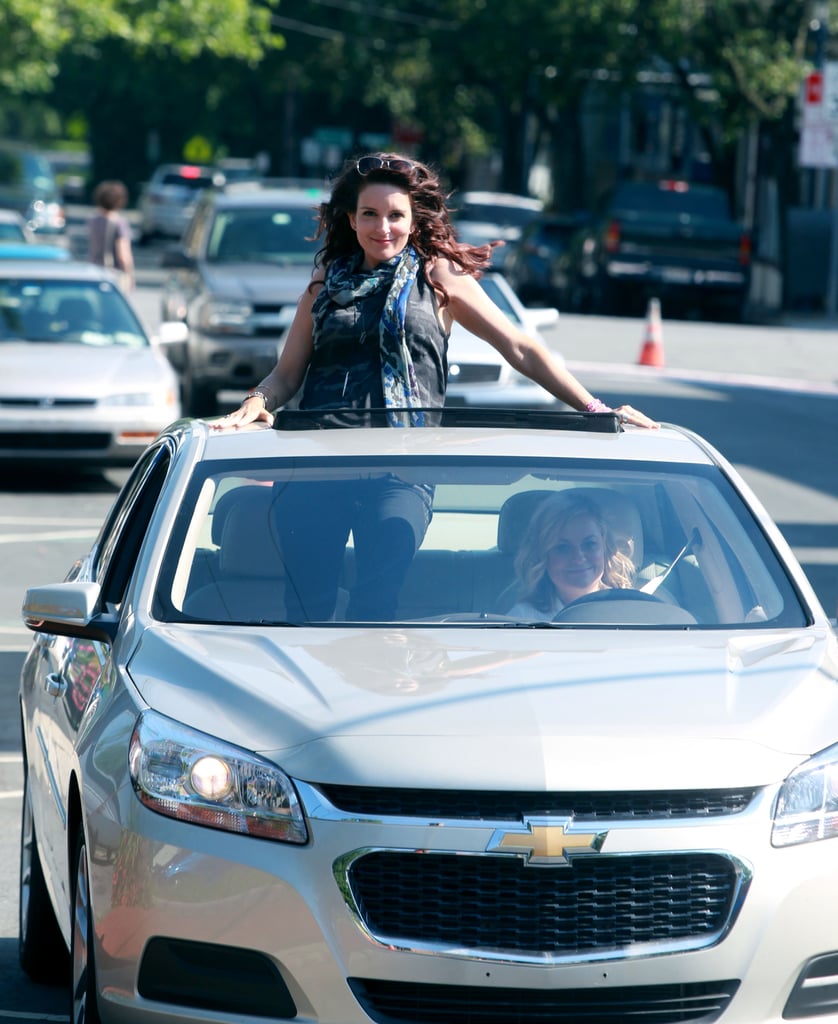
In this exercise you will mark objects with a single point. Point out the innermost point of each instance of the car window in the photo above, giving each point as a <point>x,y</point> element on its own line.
<point>28,170</point>
<point>264,235</point>
<point>122,535</point>
<point>691,556</point>
<point>90,313</point>
<point>500,299</point>
<point>506,216</point>
<point>709,204</point>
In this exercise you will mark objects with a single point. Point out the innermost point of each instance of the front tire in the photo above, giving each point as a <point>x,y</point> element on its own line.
<point>41,949</point>
<point>84,1005</point>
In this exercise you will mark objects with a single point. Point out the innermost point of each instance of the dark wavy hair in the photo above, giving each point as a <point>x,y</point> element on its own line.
<point>433,234</point>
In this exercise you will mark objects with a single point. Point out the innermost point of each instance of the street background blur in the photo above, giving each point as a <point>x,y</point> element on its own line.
<point>557,101</point>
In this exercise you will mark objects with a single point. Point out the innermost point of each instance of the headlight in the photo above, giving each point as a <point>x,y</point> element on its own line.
<point>196,778</point>
<point>216,317</point>
<point>807,805</point>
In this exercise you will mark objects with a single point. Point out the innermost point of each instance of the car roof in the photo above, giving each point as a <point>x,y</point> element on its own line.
<point>55,270</point>
<point>250,195</point>
<point>633,444</point>
<point>501,199</point>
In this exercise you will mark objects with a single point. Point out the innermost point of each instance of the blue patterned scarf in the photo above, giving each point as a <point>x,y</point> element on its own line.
<point>346,283</point>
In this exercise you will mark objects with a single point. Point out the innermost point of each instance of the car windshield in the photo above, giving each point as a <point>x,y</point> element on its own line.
<point>500,299</point>
<point>68,312</point>
<point>678,546</point>
<point>671,201</point>
<point>490,213</point>
<point>263,235</point>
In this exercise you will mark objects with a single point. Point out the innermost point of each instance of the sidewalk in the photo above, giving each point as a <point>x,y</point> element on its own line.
<point>798,354</point>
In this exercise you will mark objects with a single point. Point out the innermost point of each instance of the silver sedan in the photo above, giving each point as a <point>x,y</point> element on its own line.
<point>82,382</point>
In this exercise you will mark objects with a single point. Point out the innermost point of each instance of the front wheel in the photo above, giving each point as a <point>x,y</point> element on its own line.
<point>41,949</point>
<point>84,1005</point>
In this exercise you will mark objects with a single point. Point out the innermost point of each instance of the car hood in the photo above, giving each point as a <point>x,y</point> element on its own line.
<point>44,370</point>
<point>501,709</point>
<point>257,282</point>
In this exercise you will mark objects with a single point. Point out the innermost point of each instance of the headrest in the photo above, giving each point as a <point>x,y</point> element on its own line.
<point>76,311</point>
<point>619,512</point>
<point>242,526</point>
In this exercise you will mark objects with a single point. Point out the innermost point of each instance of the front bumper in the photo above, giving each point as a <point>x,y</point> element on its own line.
<point>83,437</point>
<point>230,360</point>
<point>295,917</point>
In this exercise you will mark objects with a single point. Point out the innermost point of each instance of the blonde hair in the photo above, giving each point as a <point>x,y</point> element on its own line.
<point>549,519</point>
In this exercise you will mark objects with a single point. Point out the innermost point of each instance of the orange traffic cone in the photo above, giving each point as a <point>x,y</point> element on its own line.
<point>651,354</point>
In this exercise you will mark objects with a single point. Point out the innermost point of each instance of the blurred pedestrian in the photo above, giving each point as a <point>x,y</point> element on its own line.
<point>109,233</point>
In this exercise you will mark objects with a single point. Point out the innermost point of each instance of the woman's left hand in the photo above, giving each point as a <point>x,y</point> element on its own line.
<point>628,414</point>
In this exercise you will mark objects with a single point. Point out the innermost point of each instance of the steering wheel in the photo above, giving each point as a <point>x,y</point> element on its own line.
<point>612,594</point>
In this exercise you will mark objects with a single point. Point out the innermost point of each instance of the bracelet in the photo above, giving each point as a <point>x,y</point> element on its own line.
<point>263,393</point>
<point>595,405</point>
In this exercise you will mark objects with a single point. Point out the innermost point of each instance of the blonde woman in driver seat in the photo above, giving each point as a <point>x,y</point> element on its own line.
<point>568,552</point>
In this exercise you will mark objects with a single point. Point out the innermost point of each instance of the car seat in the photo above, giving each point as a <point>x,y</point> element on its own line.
<point>75,314</point>
<point>248,571</point>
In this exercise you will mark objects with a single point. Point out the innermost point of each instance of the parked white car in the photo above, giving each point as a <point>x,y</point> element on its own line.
<point>235,813</point>
<point>478,374</point>
<point>82,383</point>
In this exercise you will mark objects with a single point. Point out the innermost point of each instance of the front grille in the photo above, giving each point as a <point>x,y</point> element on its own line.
<point>397,1002</point>
<point>47,403</point>
<point>465,805</point>
<point>598,904</point>
<point>60,442</point>
<point>473,373</point>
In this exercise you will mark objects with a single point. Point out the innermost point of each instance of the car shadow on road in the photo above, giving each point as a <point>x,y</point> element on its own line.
<point>48,480</point>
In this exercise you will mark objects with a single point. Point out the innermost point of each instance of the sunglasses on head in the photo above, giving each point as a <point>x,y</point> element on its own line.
<point>367,164</point>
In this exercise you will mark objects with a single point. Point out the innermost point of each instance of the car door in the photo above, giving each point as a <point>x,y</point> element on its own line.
<point>63,675</point>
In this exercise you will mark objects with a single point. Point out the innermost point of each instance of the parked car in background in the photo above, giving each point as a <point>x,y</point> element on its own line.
<point>28,186</point>
<point>168,200</point>
<point>18,242</point>
<point>477,373</point>
<point>481,217</point>
<point>235,280</point>
<point>531,264</point>
<point>673,240</point>
<point>240,169</point>
<point>233,812</point>
<point>81,384</point>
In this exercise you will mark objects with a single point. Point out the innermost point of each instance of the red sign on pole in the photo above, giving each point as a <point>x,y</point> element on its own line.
<point>814,87</point>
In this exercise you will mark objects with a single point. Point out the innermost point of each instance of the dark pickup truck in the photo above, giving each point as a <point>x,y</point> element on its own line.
<point>673,240</point>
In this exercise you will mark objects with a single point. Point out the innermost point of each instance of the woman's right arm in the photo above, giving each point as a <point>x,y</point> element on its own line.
<point>285,379</point>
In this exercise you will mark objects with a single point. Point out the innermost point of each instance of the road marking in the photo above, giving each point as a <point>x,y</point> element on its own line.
<point>47,521</point>
<point>744,380</point>
<point>18,538</point>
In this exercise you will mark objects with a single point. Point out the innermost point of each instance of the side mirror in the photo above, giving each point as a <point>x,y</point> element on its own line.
<point>68,609</point>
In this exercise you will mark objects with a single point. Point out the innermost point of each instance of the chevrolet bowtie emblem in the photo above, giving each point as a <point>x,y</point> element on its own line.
<point>545,841</point>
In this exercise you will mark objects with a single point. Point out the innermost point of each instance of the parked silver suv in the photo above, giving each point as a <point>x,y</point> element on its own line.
<point>235,279</point>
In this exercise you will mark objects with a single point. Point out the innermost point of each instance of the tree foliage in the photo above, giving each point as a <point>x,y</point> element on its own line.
<point>468,78</point>
<point>38,33</point>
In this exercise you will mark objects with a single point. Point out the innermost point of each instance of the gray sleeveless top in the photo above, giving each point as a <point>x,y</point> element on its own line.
<point>345,367</point>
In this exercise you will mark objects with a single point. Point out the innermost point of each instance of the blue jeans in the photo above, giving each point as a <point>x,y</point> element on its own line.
<point>388,519</point>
